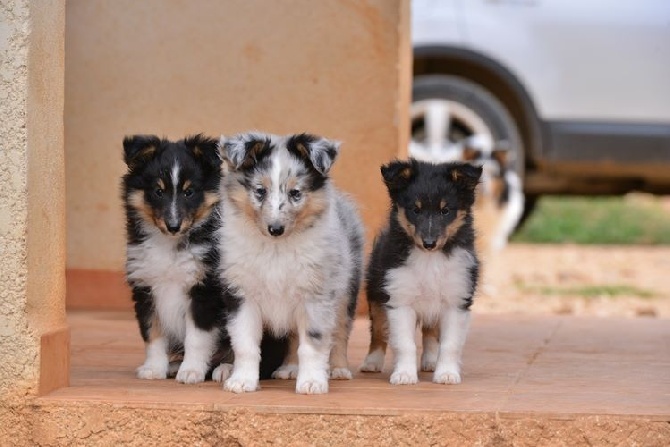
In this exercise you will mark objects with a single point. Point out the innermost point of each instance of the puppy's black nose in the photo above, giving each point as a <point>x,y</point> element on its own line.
<point>429,244</point>
<point>276,230</point>
<point>174,228</point>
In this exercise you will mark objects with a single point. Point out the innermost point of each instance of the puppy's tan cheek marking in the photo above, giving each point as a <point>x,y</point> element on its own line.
<point>454,226</point>
<point>137,202</point>
<point>240,198</point>
<point>408,227</point>
<point>405,224</point>
<point>160,223</point>
<point>314,206</point>
<point>205,209</point>
<point>186,223</point>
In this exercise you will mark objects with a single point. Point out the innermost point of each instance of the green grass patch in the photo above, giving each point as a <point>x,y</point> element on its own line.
<point>591,291</point>
<point>597,220</point>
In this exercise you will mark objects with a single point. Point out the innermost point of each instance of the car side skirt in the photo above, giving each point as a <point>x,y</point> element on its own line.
<point>603,157</point>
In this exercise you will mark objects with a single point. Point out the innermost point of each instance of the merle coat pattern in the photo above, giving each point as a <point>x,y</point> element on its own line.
<point>291,257</point>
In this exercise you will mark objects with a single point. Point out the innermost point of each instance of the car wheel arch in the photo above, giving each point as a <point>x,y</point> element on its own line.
<point>495,77</point>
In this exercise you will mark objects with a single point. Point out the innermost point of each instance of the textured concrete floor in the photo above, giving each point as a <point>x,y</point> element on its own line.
<point>512,364</point>
<point>527,380</point>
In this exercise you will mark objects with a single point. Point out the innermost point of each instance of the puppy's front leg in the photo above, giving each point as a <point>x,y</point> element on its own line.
<point>315,334</point>
<point>402,325</point>
<point>246,330</point>
<point>454,324</point>
<point>201,332</point>
<point>199,345</point>
<point>157,361</point>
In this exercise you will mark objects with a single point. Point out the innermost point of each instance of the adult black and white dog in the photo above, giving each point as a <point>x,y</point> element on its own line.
<point>292,258</point>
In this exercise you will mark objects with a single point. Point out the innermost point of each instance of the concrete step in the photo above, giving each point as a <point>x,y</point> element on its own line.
<point>528,380</point>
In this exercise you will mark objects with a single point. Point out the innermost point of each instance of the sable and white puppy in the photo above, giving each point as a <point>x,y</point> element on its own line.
<point>424,269</point>
<point>170,192</point>
<point>292,260</point>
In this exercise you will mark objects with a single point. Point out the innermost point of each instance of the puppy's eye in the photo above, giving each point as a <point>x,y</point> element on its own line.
<point>188,192</point>
<point>416,210</point>
<point>260,193</point>
<point>158,192</point>
<point>444,211</point>
<point>295,194</point>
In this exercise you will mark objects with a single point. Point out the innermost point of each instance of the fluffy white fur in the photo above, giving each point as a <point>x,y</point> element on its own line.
<point>295,283</point>
<point>170,273</point>
<point>429,287</point>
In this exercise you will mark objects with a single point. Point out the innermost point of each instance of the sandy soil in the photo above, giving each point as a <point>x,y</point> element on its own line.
<point>551,279</point>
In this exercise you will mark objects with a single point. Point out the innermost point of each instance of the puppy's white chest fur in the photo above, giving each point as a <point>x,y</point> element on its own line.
<point>170,272</point>
<point>277,276</point>
<point>428,281</point>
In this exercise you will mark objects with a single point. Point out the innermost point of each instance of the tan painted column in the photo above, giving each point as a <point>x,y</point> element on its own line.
<point>33,329</point>
<point>340,68</point>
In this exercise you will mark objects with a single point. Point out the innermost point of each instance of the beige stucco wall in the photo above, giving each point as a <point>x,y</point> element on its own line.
<point>32,205</point>
<point>334,67</point>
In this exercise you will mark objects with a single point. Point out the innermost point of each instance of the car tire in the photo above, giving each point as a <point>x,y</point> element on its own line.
<point>479,100</point>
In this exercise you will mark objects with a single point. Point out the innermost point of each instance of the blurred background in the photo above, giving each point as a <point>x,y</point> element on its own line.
<point>567,106</point>
<point>565,103</point>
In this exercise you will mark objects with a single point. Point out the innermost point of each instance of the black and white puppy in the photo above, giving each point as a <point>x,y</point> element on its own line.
<point>170,193</point>
<point>424,269</point>
<point>292,257</point>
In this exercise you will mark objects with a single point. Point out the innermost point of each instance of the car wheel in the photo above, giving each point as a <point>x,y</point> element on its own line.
<point>450,115</point>
<point>448,112</point>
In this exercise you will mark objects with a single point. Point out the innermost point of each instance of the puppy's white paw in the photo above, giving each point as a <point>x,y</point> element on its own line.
<point>152,371</point>
<point>404,378</point>
<point>190,375</point>
<point>311,387</point>
<point>374,362</point>
<point>240,384</point>
<point>448,377</point>
<point>312,383</point>
<point>286,372</point>
<point>222,372</point>
<point>341,374</point>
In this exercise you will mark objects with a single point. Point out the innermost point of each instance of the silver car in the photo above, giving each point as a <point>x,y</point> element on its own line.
<point>577,92</point>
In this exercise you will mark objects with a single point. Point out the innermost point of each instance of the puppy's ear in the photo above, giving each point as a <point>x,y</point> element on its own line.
<point>205,149</point>
<point>138,149</point>
<point>465,175</point>
<point>243,151</point>
<point>398,174</point>
<point>318,151</point>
